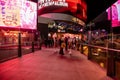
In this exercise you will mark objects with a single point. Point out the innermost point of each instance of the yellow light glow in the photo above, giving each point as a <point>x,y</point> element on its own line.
<point>102,64</point>
<point>98,49</point>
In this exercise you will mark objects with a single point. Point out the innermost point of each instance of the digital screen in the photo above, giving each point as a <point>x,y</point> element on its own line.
<point>28,15</point>
<point>76,7</point>
<point>114,14</point>
<point>18,14</point>
<point>9,13</point>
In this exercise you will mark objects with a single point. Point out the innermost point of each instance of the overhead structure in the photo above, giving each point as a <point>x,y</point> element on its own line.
<point>94,7</point>
<point>75,8</point>
<point>63,17</point>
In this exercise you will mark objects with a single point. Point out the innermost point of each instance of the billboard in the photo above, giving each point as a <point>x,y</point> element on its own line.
<point>114,14</point>
<point>18,14</point>
<point>28,14</point>
<point>9,13</point>
<point>78,8</point>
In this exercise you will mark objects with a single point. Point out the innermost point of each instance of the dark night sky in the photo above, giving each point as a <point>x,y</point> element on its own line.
<point>96,7</point>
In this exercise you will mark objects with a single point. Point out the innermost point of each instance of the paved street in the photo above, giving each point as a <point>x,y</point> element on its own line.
<point>47,64</point>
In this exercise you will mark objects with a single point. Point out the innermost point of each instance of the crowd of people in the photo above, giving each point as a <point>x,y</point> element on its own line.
<point>64,43</point>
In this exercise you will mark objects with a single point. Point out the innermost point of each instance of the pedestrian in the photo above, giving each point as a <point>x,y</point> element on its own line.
<point>62,48</point>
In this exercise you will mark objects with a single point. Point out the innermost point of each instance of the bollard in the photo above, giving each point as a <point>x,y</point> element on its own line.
<point>40,45</point>
<point>32,46</point>
<point>19,45</point>
<point>82,49</point>
<point>89,52</point>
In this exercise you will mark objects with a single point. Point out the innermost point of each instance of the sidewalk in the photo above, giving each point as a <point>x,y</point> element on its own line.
<point>47,64</point>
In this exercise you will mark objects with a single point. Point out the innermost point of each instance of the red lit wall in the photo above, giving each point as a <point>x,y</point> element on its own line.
<point>78,8</point>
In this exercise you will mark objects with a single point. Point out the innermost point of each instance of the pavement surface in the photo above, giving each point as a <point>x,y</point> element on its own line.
<point>48,64</point>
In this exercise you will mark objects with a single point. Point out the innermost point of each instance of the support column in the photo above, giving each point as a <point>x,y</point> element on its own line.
<point>111,61</point>
<point>89,47</point>
<point>82,42</point>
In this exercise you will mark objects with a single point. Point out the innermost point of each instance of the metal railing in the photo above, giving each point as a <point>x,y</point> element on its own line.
<point>106,56</point>
<point>10,51</point>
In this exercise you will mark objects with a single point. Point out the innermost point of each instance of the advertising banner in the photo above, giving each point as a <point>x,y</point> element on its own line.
<point>114,14</point>
<point>18,14</point>
<point>9,13</point>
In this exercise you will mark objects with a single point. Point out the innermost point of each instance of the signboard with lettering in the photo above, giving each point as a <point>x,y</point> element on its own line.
<point>45,3</point>
<point>78,8</point>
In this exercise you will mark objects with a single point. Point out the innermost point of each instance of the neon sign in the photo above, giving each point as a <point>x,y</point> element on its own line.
<point>45,3</point>
<point>114,14</point>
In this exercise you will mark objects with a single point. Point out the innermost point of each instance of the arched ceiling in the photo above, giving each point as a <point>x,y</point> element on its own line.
<point>62,17</point>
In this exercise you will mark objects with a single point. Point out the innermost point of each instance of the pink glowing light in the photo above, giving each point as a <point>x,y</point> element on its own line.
<point>18,14</point>
<point>29,15</point>
<point>114,14</point>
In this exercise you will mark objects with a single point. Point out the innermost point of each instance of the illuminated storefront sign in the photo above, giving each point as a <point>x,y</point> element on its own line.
<point>76,20</point>
<point>45,3</point>
<point>18,14</point>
